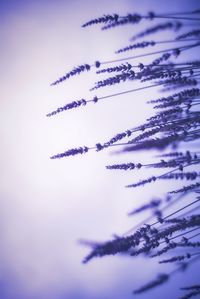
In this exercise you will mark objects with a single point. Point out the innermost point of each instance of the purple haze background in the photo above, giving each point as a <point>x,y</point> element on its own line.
<point>46,206</point>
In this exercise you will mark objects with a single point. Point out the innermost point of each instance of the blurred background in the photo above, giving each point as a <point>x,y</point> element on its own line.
<point>46,205</point>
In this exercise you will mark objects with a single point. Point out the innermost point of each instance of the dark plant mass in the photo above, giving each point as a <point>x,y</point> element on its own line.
<point>173,131</point>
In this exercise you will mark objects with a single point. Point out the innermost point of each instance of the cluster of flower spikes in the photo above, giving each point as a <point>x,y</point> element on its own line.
<point>176,121</point>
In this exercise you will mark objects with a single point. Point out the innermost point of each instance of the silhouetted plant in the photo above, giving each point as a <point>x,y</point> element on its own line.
<point>176,121</point>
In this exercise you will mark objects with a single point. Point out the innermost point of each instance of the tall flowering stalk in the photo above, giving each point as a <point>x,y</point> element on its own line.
<point>173,130</point>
